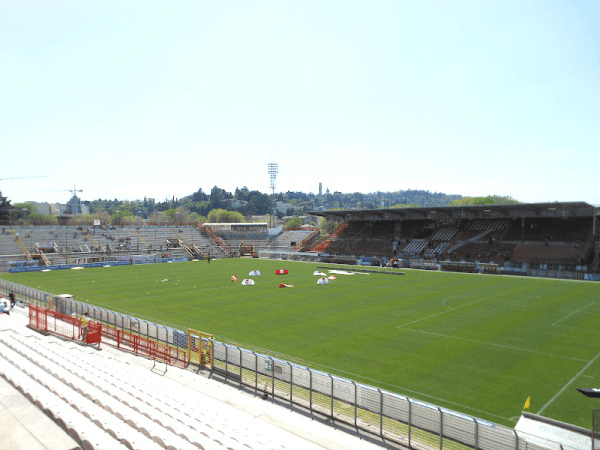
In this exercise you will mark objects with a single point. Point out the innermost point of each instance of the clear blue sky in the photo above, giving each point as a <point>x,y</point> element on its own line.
<point>126,99</point>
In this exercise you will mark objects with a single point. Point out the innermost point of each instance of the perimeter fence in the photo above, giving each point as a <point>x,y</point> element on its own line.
<point>397,419</point>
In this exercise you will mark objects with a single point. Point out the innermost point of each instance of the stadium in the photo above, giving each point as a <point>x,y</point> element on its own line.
<point>446,327</point>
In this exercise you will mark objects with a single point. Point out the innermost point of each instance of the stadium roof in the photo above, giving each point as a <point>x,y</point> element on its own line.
<point>512,211</point>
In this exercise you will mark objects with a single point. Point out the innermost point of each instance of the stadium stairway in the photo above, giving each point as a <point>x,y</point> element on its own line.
<point>108,399</point>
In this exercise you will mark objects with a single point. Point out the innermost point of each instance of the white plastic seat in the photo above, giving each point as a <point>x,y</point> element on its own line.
<point>167,412</point>
<point>51,403</point>
<point>76,425</point>
<point>70,383</point>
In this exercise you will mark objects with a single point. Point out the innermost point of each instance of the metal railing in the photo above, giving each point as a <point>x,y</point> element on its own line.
<point>393,417</point>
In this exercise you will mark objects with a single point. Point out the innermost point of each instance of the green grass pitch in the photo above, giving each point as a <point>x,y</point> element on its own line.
<point>478,344</point>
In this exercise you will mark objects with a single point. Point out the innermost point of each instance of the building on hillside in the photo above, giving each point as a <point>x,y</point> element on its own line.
<point>283,209</point>
<point>73,207</point>
<point>237,204</point>
<point>41,207</point>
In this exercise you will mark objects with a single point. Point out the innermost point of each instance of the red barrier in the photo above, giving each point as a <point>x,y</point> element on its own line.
<point>48,321</point>
<point>140,345</point>
<point>94,334</point>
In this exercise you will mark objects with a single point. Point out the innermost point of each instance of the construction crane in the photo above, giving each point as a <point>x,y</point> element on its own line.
<point>73,191</point>
<point>21,178</point>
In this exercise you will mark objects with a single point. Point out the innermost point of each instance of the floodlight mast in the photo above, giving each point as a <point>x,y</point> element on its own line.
<point>273,169</point>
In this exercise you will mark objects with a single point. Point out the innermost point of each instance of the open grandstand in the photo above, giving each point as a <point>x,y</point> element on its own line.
<point>52,246</point>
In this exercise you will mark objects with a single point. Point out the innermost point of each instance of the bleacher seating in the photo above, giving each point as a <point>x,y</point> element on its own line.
<point>414,247</point>
<point>107,242</point>
<point>542,254</point>
<point>438,250</point>
<point>496,253</point>
<point>8,243</point>
<point>414,229</point>
<point>89,242</point>
<point>112,400</point>
<point>541,230</point>
<point>358,248</point>
<point>457,240</point>
<point>444,234</point>
<point>488,224</point>
<point>284,240</point>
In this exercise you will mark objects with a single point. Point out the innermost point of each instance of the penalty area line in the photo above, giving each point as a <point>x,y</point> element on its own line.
<point>574,312</point>
<point>568,384</point>
<point>452,309</point>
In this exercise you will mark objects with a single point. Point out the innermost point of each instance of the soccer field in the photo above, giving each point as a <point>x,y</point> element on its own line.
<point>478,344</point>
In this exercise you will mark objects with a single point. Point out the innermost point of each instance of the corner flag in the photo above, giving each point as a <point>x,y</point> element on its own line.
<point>527,403</point>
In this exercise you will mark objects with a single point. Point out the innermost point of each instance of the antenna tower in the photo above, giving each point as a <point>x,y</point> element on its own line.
<point>273,168</point>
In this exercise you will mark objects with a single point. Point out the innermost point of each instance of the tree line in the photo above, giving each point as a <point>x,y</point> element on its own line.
<point>222,206</point>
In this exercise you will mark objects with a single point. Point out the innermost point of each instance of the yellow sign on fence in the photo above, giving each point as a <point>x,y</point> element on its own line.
<point>200,348</point>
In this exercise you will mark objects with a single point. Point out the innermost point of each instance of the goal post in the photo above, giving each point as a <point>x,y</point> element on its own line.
<point>200,348</point>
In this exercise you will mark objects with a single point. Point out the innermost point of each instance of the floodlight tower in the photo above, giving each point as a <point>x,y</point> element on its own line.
<point>273,168</point>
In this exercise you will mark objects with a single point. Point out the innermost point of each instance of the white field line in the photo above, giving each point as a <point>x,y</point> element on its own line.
<point>402,325</point>
<point>450,308</point>
<point>445,301</point>
<point>567,385</point>
<point>574,312</point>
<point>508,347</point>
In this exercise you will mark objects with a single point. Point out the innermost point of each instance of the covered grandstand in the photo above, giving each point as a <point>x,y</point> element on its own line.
<point>542,236</point>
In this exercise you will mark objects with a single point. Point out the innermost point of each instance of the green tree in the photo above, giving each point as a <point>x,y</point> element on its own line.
<point>5,209</point>
<point>489,200</point>
<point>182,215</point>
<point>218,197</point>
<point>242,194</point>
<point>402,205</point>
<point>224,216</point>
<point>195,217</point>
<point>170,214</point>
<point>122,217</point>
<point>295,222</point>
<point>83,219</point>
<point>199,196</point>
<point>259,203</point>
<point>26,213</point>
<point>326,226</point>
